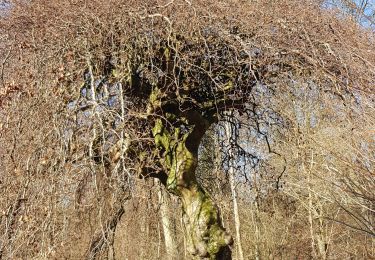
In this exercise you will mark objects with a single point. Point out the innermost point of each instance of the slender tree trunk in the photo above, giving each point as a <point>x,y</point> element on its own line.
<point>232,182</point>
<point>168,231</point>
<point>318,237</point>
<point>257,229</point>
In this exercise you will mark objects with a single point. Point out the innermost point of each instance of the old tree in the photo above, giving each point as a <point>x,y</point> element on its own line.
<point>129,88</point>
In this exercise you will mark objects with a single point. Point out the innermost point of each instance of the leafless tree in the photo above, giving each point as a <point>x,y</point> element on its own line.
<point>98,94</point>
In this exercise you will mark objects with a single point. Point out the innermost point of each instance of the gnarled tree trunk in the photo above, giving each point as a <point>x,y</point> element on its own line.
<point>205,235</point>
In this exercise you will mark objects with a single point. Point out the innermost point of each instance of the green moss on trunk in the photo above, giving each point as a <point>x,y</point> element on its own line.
<point>179,157</point>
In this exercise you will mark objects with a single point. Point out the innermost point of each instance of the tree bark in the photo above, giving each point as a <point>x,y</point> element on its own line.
<point>169,234</point>
<point>205,236</point>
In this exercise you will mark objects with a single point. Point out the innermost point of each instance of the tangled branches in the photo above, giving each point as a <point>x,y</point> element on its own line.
<point>131,88</point>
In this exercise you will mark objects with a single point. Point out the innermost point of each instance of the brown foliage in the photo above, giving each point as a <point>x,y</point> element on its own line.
<point>59,170</point>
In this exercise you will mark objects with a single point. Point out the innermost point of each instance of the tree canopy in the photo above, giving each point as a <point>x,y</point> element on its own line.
<point>129,88</point>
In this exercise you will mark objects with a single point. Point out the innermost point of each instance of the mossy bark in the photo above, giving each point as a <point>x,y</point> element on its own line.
<point>205,235</point>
